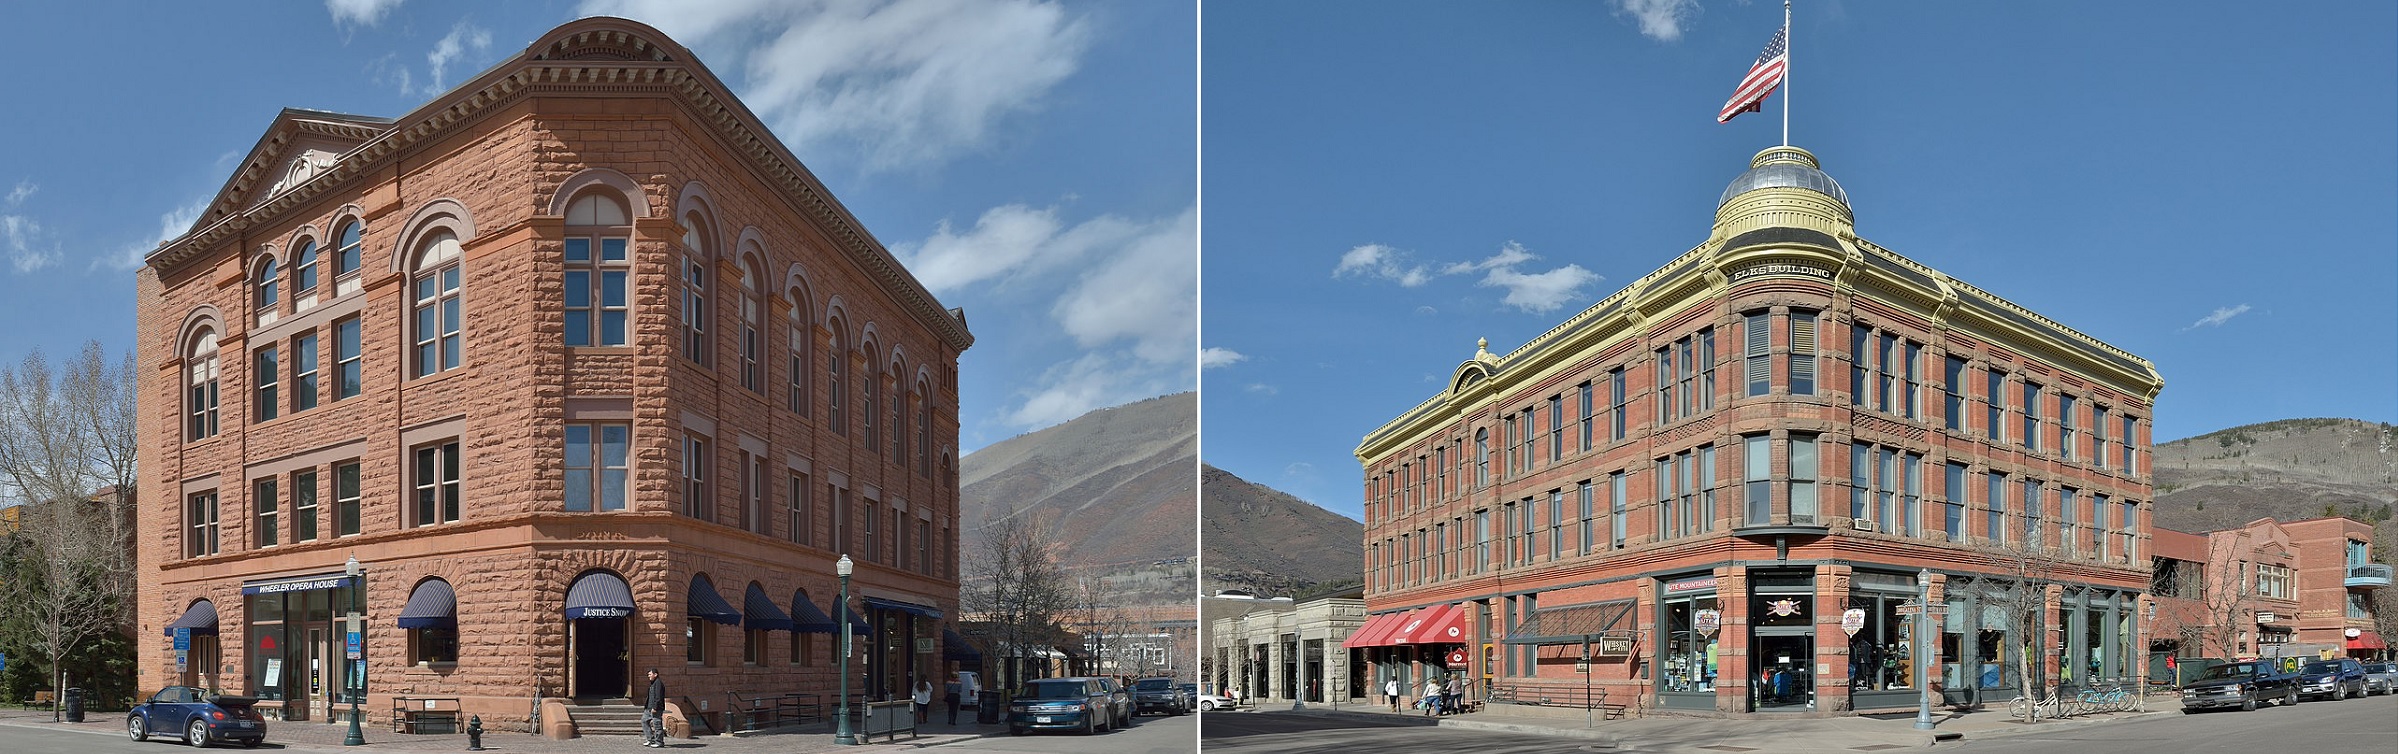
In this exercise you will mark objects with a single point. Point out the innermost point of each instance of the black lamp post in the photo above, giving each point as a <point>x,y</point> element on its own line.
<point>358,595</point>
<point>842,734</point>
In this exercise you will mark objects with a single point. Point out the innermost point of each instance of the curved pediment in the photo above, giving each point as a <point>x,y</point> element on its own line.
<point>606,38</point>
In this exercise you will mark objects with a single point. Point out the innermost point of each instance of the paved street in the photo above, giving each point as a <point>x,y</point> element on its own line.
<point>1151,735</point>
<point>2363,726</point>
<point>1328,734</point>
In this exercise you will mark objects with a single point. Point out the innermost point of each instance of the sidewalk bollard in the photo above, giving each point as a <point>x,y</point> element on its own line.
<point>474,733</point>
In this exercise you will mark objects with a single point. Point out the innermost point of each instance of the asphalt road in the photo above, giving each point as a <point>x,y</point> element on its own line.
<point>2356,726</point>
<point>1308,734</point>
<point>1152,734</point>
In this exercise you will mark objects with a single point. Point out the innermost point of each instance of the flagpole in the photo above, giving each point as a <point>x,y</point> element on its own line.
<point>1786,63</point>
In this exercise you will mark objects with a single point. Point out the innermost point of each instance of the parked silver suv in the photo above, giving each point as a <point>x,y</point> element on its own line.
<point>2381,678</point>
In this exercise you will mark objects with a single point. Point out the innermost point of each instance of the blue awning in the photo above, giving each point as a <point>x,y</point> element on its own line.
<point>432,605</point>
<point>706,603</point>
<point>200,618</point>
<point>955,649</point>
<point>878,603</point>
<point>857,626</point>
<point>807,619</point>
<point>758,613</point>
<point>599,595</point>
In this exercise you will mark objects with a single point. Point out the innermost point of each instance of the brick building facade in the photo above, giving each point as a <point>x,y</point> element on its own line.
<point>584,367</point>
<point>1720,483</point>
<point>2269,589</point>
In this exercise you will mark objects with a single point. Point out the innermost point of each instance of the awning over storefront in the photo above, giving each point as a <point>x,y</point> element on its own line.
<point>857,626</point>
<point>759,613</point>
<point>706,603</point>
<point>598,595</point>
<point>1438,624</point>
<point>2367,640</point>
<point>806,618</point>
<point>432,605</point>
<point>1374,628</point>
<point>200,618</point>
<point>878,603</point>
<point>955,649</point>
<point>1572,624</point>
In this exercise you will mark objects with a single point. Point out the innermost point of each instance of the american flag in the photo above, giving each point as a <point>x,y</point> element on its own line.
<point>1764,77</point>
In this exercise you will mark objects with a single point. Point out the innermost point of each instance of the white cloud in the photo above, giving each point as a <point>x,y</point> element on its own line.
<point>1509,256</point>
<point>1426,311</point>
<point>904,82</point>
<point>2217,319</point>
<point>1378,261</point>
<point>1660,20</point>
<point>1220,357</point>
<point>1006,241</point>
<point>463,38</point>
<point>1095,380</point>
<point>1299,468</point>
<point>171,225</point>
<point>1146,291</point>
<point>359,12</point>
<point>1261,388</point>
<point>22,235</point>
<point>1541,291</point>
<point>16,196</point>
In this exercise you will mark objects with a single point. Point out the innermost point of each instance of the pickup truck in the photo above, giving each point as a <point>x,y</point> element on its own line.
<point>2240,684</point>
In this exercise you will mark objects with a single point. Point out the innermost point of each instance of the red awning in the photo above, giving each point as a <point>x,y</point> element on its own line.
<point>2367,640</point>
<point>1439,624</point>
<point>1374,630</point>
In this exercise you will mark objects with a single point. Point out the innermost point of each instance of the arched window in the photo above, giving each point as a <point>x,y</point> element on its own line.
<point>345,257</point>
<point>833,413</point>
<point>270,296</point>
<point>924,429</point>
<point>753,344</point>
<point>870,378</point>
<point>303,269</point>
<point>899,414</point>
<point>695,289</point>
<point>598,271</point>
<point>796,393</point>
<point>201,401</point>
<point>436,304</point>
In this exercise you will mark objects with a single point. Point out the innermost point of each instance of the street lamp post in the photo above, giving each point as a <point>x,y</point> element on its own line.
<point>842,735</point>
<point>1923,688</point>
<point>357,575</point>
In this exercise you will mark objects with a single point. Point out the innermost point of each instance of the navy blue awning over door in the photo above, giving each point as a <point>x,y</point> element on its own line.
<point>758,613</point>
<point>599,595</point>
<point>706,603</point>
<point>955,649</point>
<point>432,605</point>
<point>879,603</point>
<point>806,618</point>
<point>200,618</point>
<point>857,625</point>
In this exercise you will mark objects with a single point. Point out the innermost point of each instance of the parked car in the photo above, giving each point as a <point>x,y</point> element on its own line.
<point>1160,694</point>
<point>2382,676</point>
<point>200,717</point>
<point>1083,704</point>
<point>2240,684</point>
<point>1119,700</point>
<point>1213,702</point>
<point>2332,679</point>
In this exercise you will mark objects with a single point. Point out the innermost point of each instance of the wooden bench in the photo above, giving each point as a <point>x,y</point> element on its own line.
<point>426,714</point>
<point>40,699</point>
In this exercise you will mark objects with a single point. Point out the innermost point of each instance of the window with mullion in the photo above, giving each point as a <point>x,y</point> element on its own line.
<point>303,372</point>
<point>1556,428</point>
<point>1481,457</point>
<point>598,287</point>
<point>200,402</point>
<point>695,478</point>
<point>346,257</point>
<point>303,506</point>
<point>1619,496</point>
<point>1953,520</point>
<point>1994,507</point>
<point>1995,420</point>
<point>303,269</point>
<point>2031,415</point>
<point>1756,479</point>
<point>2098,436</point>
<point>268,374</point>
<point>924,430</point>
<point>267,511</point>
<point>795,391</point>
<point>1803,479</point>
<point>753,344</point>
<point>437,324</point>
<point>200,521</point>
<point>1757,353</point>
<point>2067,436</point>
<point>801,524</point>
<point>1584,392</point>
<point>347,371</point>
<point>1583,499</point>
<point>1953,380</point>
<point>1802,352</point>
<point>345,499</point>
<point>834,410</point>
<point>871,387</point>
<point>1617,403</point>
<point>598,466</point>
<point>436,483</point>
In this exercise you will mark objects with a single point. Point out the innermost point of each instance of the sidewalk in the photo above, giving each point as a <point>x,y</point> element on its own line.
<point>324,737</point>
<point>1752,733</point>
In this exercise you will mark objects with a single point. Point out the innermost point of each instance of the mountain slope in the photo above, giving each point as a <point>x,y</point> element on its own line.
<point>1114,487</point>
<point>2290,470</point>
<point>1265,541</point>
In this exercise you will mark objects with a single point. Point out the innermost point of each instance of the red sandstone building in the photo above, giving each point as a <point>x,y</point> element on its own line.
<point>2269,589</point>
<point>1720,483</point>
<point>584,367</point>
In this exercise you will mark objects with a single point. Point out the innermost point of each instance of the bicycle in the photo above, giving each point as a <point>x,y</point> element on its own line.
<point>2052,707</point>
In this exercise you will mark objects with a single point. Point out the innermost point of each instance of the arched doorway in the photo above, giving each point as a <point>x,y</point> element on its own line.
<point>599,606</point>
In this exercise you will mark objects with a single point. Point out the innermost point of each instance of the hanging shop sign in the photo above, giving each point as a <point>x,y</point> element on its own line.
<point>1615,646</point>
<point>1457,657</point>
<point>1707,621</point>
<point>1852,620</point>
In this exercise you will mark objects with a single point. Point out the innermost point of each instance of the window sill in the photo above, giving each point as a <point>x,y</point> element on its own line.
<point>430,669</point>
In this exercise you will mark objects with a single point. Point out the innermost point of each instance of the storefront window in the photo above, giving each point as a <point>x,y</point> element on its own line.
<point>1692,628</point>
<point>297,664</point>
<point>1881,653</point>
<point>433,645</point>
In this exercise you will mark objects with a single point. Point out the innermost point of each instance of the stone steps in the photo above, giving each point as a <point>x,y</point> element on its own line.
<point>609,717</point>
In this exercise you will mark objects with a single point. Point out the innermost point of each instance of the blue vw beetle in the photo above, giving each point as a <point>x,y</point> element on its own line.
<point>201,717</point>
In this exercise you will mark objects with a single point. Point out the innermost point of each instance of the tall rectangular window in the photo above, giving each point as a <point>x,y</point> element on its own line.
<point>1860,483</point>
<point>1910,469</point>
<point>436,483</point>
<point>1706,485</point>
<point>303,372</point>
<point>269,378</point>
<point>1860,356</point>
<point>1914,396</point>
<point>2098,436</point>
<point>1556,428</point>
<point>1530,433</point>
<point>347,374</point>
<point>2031,512</point>
<point>268,512</point>
<point>1481,458</point>
<point>1953,379</point>
<point>1996,509</point>
<point>2031,415</point>
<point>345,498</point>
<point>1886,489</point>
<point>1585,392</point>
<point>1666,412</point>
<point>1481,539</point>
<point>1756,475</point>
<point>1440,472</point>
<point>2130,446</point>
<point>695,478</point>
<point>1757,353</point>
<point>1616,403</point>
<point>1617,497</point>
<point>2127,528</point>
<point>1440,551</point>
<point>303,506</point>
<point>1525,524</point>
<point>2069,530</point>
<point>695,310</point>
<point>1953,518</point>
<point>1802,353</point>
<point>1507,441</point>
<point>1887,391</point>
<point>2067,439</point>
<point>1803,473</point>
<point>1994,424</point>
<point>597,292</point>
<point>1556,523</point>
<point>1588,534</point>
<point>1669,520</point>
<point>2098,526</point>
<point>598,466</point>
<point>200,524</point>
<point>799,514</point>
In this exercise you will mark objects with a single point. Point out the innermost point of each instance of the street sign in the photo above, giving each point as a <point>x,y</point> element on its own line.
<point>1582,666</point>
<point>1911,608</point>
<point>183,638</point>
<point>354,645</point>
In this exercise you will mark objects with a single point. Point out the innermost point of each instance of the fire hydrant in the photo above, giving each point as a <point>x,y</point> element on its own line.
<point>474,733</point>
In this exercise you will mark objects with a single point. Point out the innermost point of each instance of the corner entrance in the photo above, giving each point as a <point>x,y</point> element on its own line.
<point>600,657</point>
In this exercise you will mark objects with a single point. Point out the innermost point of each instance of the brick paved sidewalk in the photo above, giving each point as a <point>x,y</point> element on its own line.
<point>1752,733</point>
<point>326,737</point>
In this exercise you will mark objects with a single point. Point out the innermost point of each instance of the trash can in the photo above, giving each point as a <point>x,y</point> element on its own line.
<point>987,708</point>
<point>74,705</point>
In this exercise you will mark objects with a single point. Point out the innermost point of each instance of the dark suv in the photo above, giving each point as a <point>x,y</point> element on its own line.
<point>1160,694</point>
<point>1084,704</point>
<point>2332,679</point>
<point>2245,685</point>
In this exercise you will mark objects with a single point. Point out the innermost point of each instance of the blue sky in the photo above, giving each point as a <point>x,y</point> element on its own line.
<point>2210,185</point>
<point>1031,160</point>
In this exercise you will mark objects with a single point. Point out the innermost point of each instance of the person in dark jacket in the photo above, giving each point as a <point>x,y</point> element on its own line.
<point>653,714</point>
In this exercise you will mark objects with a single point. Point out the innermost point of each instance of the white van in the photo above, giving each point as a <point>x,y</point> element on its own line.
<point>971,685</point>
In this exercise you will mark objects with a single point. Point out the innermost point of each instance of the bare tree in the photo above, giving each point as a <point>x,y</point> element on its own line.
<point>67,452</point>
<point>2026,572</point>
<point>1016,586</point>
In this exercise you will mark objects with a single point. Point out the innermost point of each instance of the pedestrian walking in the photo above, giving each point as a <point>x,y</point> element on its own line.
<point>1451,699</point>
<point>1390,690</point>
<point>653,714</point>
<point>924,702</point>
<point>1431,698</point>
<point>957,688</point>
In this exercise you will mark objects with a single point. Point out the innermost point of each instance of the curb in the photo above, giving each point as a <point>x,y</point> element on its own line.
<point>2014,729</point>
<point>63,727</point>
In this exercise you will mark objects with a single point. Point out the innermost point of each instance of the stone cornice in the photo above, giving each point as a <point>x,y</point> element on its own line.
<point>592,55</point>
